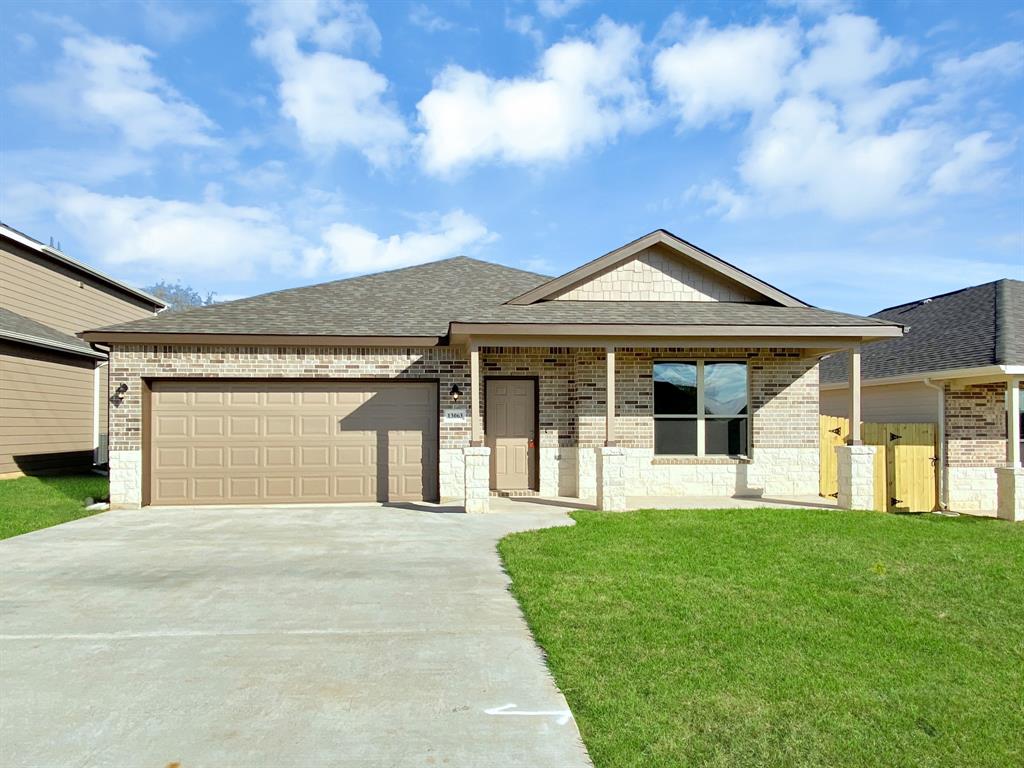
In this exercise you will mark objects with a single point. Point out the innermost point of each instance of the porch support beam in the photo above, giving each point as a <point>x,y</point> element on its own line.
<point>854,390</point>
<point>609,422</point>
<point>475,422</point>
<point>1013,422</point>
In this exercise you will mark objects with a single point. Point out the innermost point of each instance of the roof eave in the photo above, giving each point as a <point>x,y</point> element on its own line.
<point>981,372</point>
<point>51,344</point>
<point>817,336</point>
<point>256,339</point>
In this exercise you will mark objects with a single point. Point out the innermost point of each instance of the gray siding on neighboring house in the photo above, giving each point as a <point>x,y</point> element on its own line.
<point>46,410</point>
<point>911,403</point>
<point>51,293</point>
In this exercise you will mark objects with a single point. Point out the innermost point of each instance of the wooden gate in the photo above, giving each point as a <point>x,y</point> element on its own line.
<point>905,468</point>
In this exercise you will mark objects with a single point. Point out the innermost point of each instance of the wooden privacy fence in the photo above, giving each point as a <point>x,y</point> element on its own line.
<point>905,467</point>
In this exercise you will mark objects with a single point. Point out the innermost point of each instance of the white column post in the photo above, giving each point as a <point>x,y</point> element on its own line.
<point>854,410</point>
<point>609,421</point>
<point>1010,479</point>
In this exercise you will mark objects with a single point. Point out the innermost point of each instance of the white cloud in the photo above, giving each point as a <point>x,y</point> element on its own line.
<point>149,238</point>
<point>847,52</point>
<point>173,239</point>
<point>1006,60</point>
<point>969,168</point>
<point>423,17</point>
<point>112,84</point>
<point>523,25</point>
<point>813,7</point>
<point>349,249</point>
<point>803,158</point>
<point>333,100</point>
<point>26,43</point>
<point>715,73</point>
<point>556,9</point>
<point>171,23</point>
<point>584,94</point>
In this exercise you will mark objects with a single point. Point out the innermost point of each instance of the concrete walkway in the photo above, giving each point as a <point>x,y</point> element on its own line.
<point>305,637</point>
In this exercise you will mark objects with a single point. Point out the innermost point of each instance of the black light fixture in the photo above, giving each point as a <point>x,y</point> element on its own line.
<point>455,392</point>
<point>118,397</point>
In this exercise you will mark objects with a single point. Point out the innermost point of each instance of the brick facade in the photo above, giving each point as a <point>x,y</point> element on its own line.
<point>571,409</point>
<point>975,425</point>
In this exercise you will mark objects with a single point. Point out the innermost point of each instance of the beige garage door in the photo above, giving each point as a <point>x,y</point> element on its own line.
<point>216,442</point>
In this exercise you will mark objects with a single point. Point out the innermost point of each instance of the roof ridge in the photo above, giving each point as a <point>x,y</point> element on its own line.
<point>945,295</point>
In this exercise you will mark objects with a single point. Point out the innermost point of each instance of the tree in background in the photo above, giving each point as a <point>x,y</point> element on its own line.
<point>178,296</point>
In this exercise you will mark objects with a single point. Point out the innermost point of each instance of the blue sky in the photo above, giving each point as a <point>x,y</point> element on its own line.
<point>855,154</point>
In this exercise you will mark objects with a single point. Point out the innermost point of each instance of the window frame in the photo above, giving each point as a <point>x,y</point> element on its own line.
<point>701,417</point>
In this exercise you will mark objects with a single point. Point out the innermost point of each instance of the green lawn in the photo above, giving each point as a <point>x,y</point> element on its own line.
<point>782,637</point>
<point>30,503</point>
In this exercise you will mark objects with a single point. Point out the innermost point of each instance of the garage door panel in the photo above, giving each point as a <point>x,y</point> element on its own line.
<point>279,456</point>
<point>172,490</point>
<point>244,488</point>
<point>208,457</point>
<point>281,441</point>
<point>171,457</point>
<point>171,426</point>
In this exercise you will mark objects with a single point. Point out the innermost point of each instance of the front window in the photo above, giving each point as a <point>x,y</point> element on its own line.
<point>700,408</point>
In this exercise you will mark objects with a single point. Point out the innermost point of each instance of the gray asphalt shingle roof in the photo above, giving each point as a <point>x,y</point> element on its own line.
<point>423,300</point>
<point>972,327</point>
<point>19,328</point>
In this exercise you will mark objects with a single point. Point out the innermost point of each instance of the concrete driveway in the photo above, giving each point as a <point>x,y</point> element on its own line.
<point>341,636</point>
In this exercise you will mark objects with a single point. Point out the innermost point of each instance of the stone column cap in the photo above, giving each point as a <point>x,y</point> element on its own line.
<point>612,450</point>
<point>476,450</point>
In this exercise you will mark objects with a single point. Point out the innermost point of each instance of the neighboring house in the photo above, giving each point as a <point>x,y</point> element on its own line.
<point>53,385</point>
<point>958,365</point>
<point>450,379</point>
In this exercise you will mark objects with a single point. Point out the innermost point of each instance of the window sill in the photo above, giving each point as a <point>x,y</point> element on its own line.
<point>700,460</point>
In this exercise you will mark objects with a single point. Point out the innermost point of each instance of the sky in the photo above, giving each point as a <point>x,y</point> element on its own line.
<point>854,154</point>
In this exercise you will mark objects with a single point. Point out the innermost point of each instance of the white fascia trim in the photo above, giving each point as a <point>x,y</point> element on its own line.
<point>994,371</point>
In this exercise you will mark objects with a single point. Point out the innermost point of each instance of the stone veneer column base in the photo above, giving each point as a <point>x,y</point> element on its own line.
<point>1010,484</point>
<point>478,479</point>
<point>611,479</point>
<point>125,479</point>
<point>856,470</point>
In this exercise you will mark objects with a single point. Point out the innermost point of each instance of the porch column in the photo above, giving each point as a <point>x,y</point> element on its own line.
<point>475,422</point>
<point>1010,479</point>
<point>854,388</point>
<point>609,421</point>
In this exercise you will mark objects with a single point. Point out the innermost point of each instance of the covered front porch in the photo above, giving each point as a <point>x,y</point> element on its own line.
<point>642,423</point>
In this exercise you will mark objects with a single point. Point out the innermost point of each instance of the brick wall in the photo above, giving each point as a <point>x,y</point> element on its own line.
<point>130,363</point>
<point>975,425</point>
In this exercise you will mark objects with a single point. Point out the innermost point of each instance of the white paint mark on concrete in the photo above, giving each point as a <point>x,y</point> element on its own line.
<point>562,716</point>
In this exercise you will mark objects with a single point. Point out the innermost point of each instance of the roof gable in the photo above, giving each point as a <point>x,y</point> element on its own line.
<point>658,267</point>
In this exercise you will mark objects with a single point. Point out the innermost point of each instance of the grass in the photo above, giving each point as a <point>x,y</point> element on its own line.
<point>782,637</point>
<point>30,503</point>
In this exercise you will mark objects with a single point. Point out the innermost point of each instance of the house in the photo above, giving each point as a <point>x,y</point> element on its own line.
<point>654,370</point>
<point>961,366</point>
<point>53,385</point>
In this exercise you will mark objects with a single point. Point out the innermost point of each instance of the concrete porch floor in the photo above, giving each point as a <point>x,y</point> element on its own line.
<point>501,504</point>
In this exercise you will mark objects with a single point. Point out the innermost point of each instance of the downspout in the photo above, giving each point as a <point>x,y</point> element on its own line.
<point>941,392</point>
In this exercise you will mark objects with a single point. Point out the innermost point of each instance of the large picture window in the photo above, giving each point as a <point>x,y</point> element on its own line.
<point>700,408</point>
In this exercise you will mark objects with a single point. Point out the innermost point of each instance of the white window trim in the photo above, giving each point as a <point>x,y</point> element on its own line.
<point>700,417</point>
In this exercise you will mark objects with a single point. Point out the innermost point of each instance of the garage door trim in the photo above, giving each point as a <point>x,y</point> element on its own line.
<point>147,411</point>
